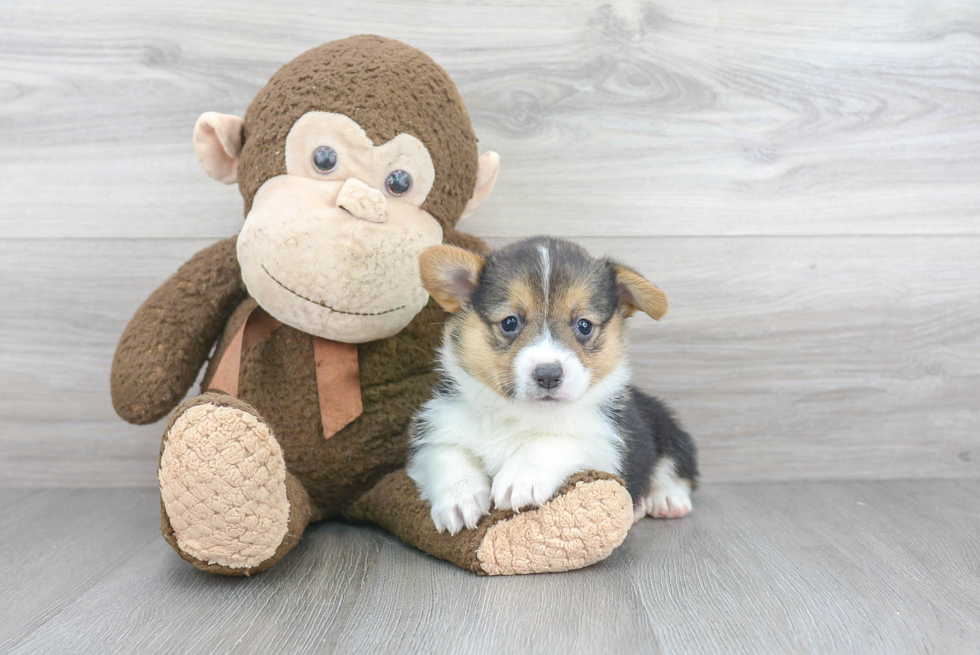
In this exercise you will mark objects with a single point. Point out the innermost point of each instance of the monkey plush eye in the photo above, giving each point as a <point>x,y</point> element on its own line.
<point>325,159</point>
<point>398,182</point>
<point>584,327</point>
<point>510,324</point>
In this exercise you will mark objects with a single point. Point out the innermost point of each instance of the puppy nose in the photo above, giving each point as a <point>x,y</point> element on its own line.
<point>548,376</point>
<point>363,201</point>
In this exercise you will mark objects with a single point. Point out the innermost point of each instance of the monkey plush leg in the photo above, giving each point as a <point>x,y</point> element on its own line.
<point>228,504</point>
<point>588,517</point>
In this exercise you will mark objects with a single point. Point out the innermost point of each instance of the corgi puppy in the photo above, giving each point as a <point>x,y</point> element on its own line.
<point>536,387</point>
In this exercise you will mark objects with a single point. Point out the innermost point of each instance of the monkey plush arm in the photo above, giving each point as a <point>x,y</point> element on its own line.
<point>169,338</point>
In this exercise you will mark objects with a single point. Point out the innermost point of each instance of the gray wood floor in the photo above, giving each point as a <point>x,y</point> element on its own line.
<point>848,567</point>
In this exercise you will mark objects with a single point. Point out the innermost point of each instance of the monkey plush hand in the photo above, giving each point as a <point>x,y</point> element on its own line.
<point>354,158</point>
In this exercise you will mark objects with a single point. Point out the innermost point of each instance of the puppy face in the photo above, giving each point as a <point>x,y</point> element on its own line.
<point>539,321</point>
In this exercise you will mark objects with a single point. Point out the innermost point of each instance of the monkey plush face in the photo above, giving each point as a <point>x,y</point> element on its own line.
<point>349,168</point>
<point>342,261</point>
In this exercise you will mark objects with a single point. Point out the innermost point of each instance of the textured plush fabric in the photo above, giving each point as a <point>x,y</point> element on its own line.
<point>296,498</point>
<point>587,520</point>
<point>468,241</point>
<point>394,504</point>
<point>388,88</point>
<point>278,378</point>
<point>217,144</point>
<point>168,339</point>
<point>223,485</point>
<point>589,516</point>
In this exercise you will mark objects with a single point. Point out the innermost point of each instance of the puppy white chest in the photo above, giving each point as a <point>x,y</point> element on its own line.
<point>566,436</point>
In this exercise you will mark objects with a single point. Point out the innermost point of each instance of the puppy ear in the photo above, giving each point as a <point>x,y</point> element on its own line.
<point>450,274</point>
<point>636,293</point>
<point>218,144</point>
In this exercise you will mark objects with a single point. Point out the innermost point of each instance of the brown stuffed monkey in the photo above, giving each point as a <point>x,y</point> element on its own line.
<point>355,157</point>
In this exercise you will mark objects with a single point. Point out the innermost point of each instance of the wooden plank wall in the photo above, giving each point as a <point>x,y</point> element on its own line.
<point>802,178</point>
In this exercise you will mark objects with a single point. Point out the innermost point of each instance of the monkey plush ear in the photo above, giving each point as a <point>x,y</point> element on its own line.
<point>218,143</point>
<point>486,177</point>
<point>635,292</point>
<point>450,274</point>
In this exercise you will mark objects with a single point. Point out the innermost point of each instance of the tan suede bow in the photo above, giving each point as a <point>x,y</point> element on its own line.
<point>337,374</point>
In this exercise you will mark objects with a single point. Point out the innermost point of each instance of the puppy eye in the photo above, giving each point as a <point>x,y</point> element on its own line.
<point>510,324</point>
<point>398,182</point>
<point>325,159</point>
<point>584,327</point>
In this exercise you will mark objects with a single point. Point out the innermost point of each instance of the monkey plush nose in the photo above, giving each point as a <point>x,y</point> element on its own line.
<point>548,376</point>
<point>362,201</point>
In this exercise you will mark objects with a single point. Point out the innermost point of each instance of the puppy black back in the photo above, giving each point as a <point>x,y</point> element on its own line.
<point>651,432</point>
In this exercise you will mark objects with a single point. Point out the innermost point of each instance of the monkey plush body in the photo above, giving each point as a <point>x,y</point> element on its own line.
<point>318,336</point>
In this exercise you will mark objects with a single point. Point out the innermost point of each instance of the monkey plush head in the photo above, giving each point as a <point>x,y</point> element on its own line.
<point>354,158</point>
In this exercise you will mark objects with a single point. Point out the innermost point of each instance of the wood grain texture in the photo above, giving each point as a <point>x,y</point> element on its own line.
<point>872,567</point>
<point>57,544</point>
<point>845,357</point>
<point>618,118</point>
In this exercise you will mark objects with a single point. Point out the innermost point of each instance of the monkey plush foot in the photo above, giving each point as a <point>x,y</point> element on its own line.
<point>228,504</point>
<point>588,517</point>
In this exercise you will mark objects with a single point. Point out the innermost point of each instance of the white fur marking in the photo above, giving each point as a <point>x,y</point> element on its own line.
<point>451,480</point>
<point>545,350</point>
<point>669,496</point>
<point>545,272</point>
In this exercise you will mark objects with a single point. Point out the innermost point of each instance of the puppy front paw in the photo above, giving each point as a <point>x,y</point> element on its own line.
<point>518,486</point>
<point>459,505</point>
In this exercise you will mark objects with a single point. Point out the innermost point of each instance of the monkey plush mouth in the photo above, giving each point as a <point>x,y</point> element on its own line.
<point>325,305</point>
